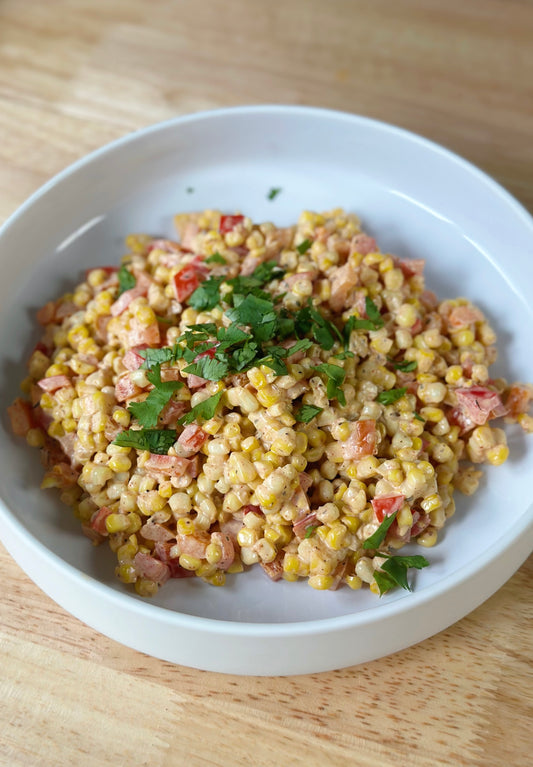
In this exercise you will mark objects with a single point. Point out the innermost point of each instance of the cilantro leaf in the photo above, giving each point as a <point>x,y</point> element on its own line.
<point>231,336</point>
<point>205,410</point>
<point>268,271</point>
<point>300,346</point>
<point>156,356</point>
<point>206,296</point>
<point>405,366</point>
<point>395,572</point>
<point>304,246</point>
<point>216,258</point>
<point>309,530</point>
<point>126,280</point>
<point>147,412</point>
<point>307,412</point>
<point>373,313</point>
<point>274,192</point>
<point>373,320</point>
<point>385,582</point>
<point>244,358</point>
<point>378,537</point>
<point>335,378</point>
<point>391,396</point>
<point>419,417</point>
<point>157,441</point>
<point>212,369</point>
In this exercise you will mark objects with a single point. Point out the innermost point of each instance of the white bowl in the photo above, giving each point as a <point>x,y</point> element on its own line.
<point>419,200</point>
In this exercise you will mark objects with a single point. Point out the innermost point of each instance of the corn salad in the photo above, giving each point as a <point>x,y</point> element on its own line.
<point>291,397</point>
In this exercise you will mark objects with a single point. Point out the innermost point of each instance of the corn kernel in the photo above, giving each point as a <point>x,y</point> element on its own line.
<point>116,523</point>
<point>185,526</point>
<point>35,437</point>
<point>353,581</point>
<point>321,582</point>
<point>497,455</point>
<point>188,562</point>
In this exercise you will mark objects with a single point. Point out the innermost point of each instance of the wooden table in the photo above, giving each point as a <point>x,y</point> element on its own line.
<point>75,75</point>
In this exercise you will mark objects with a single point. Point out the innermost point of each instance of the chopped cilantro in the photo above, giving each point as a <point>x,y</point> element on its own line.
<point>307,412</point>
<point>395,572</point>
<point>126,280</point>
<point>211,369</point>
<point>419,417</point>
<point>206,296</point>
<point>304,246</point>
<point>274,192</point>
<point>148,411</point>
<point>268,271</point>
<point>373,313</point>
<point>378,537</point>
<point>205,409</point>
<point>154,357</point>
<point>374,322</point>
<point>335,378</point>
<point>309,530</point>
<point>405,366</point>
<point>216,258</point>
<point>391,396</point>
<point>157,441</point>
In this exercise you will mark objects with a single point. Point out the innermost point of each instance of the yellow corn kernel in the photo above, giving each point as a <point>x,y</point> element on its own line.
<point>316,437</point>
<point>213,553</point>
<point>116,523</point>
<point>268,396</point>
<point>249,445</point>
<point>185,526</point>
<point>374,588</point>
<point>433,414</point>
<point>189,563</point>
<point>321,582</point>
<point>126,573</point>
<point>119,463</point>
<point>283,445</point>
<point>236,567</point>
<point>76,334</point>
<point>35,437</point>
<point>463,338</point>
<point>353,581</point>
<point>336,537</point>
<point>57,370</point>
<point>145,315</point>
<point>352,523</point>
<point>257,378</point>
<point>290,577</point>
<point>291,563</point>
<point>56,430</point>
<point>427,538</point>
<point>145,587</point>
<point>351,471</point>
<point>218,579</point>
<point>206,570</point>
<point>343,431</point>
<point>301,442</point>
<point>213,425</point>
<point>497,455</point>
<point>431,502</point>
<point>246,537</point>
<point>273,458</point>
<point>454,374</point>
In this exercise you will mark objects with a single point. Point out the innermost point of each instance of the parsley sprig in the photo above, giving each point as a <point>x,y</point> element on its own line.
<point>147,412</point>
<point>126,280</point>
<point>157,441</point>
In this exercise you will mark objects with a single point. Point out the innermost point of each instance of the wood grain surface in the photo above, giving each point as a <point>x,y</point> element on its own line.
<point>77,74</point>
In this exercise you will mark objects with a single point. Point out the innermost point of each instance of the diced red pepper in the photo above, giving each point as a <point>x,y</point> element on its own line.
<point>185,282</point>
<point>228,223</point>
<point>98,520</point>
<point>192,438</point>
<point>20,415</point>
<point>387,505</point>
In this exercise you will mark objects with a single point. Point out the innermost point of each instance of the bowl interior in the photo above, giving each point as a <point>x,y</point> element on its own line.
<point>418,201</point>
